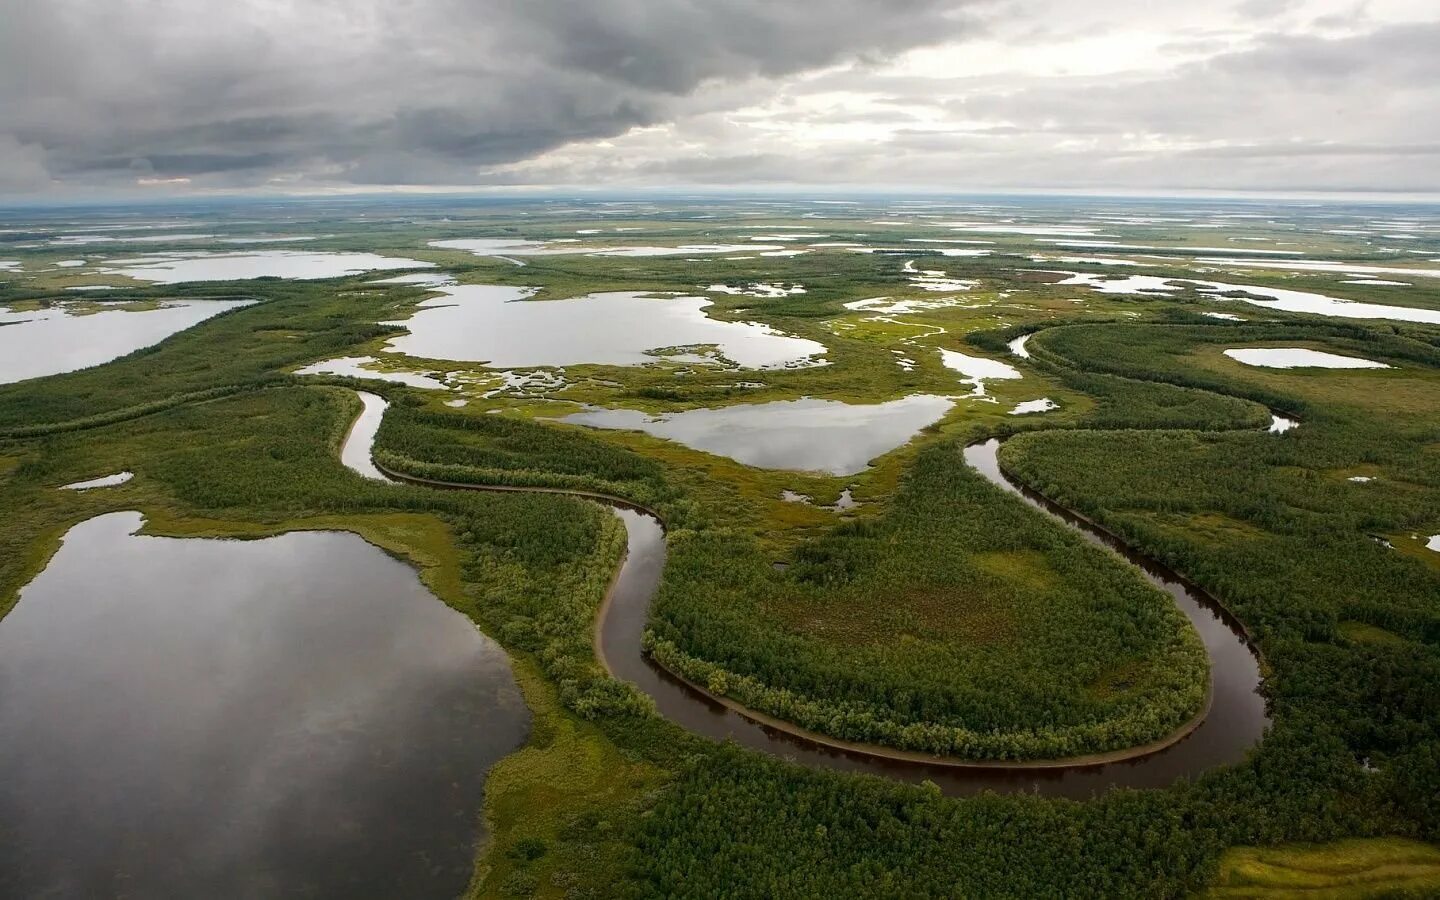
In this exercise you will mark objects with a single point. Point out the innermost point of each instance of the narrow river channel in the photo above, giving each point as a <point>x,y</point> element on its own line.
<point>1234,723</point>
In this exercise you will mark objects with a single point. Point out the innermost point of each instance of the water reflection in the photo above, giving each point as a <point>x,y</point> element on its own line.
<point>174,268</point>
<point>977,370</point>
<point>1281,299</point>
<point>199,718</point>
<point>1299,358</point>
<point>1236,721</point>
<point>54,340</point>
<point>359,444</point>
<point>105,481</point>
<point>804,435</point>
<point>360,367</point>
<point>497,325</point>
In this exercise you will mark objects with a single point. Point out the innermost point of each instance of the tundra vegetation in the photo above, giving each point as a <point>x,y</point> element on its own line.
<point>939,614</point>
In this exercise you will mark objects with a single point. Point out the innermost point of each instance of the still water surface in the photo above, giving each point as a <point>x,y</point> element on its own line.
<point>51,341</point>
<point>199,718</point>
<point>499,326</point>
<point>804,435</point>
<point>1236,721</point>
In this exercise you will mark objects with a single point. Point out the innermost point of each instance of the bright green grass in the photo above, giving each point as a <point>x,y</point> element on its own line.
<point>1376,867</point>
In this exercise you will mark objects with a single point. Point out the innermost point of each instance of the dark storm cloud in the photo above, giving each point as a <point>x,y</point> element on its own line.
<point>376,91</point>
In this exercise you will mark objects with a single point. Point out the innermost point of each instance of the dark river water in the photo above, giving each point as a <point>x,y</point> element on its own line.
<point>293,716</point>
<point>1235,723</point>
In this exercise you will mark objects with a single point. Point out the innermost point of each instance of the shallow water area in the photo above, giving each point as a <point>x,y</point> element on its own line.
<point>192,718</point>
<point>175,268</point>
<point>513,247</point>
<point>1316,265</point>
<point>1281,299</point>
<point>1236,721</point>
<point>1025,408</point>
<point>1298,358</point>
<point>1280,424</point>
<point>54,340</point>
<point>803,435</point>
<point>104,481</point>
<point>355,453</point>
<point>499,326</point>
<point>765,289</point>
<point>423,279</point>
<point>977,370</point>
<point>361,367</point>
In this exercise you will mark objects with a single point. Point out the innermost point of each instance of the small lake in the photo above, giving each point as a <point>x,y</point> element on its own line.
<point>63,338</point>
<point>976,370</point>
<point>1025,408</point>
<point>1299,358</point>
<point>804,435</point>
<point>292,716</point>
<point>361,367</point>
<point>174,268</point>
<point>103,481</point>
<point>499,326</point>
<point>1281,299</point>
<point>516,247</point>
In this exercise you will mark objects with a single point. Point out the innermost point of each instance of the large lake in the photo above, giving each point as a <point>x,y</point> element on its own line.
<point>293,716</point>
<point>499,326</point>
<point>174,268</point>
<point>54,340</point>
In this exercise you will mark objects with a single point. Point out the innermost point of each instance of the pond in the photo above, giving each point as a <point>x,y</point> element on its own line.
<point>977,370</point>
<point>66,337</point>
<point>1281,299</point>
<point>1281,424</point>
<point>805,435</point>
<point>499,326</point>
<point>103,481</point>
<point>174,268</point>
<point>515,247</point>
<point>197,718</point>
<point>1299,358</point>
<point>1025,408</point>
<point>363,367</point>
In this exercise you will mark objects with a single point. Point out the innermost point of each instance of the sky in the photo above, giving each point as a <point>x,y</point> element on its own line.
<point>176,97</point>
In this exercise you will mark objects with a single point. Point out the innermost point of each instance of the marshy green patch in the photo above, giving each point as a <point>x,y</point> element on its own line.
<point>1374,867</point>
<point>1363,633</point>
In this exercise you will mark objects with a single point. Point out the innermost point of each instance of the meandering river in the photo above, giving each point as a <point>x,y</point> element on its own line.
<point>1235,720</point>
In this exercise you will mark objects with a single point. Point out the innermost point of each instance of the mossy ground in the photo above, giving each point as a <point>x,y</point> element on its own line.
<point>1374,867</point>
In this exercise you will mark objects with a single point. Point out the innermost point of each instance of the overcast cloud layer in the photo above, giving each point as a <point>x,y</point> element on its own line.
<point>174,96</point>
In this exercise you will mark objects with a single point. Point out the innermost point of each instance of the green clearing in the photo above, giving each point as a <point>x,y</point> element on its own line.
<point>1389,867</point>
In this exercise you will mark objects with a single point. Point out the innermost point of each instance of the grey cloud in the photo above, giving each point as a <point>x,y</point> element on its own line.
<point>373,90</point>
<point>1285,112</point>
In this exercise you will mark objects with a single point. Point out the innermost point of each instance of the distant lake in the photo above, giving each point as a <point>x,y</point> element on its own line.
<point>54,340</point>
<point>181,266</point>
<point>499,326</point>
